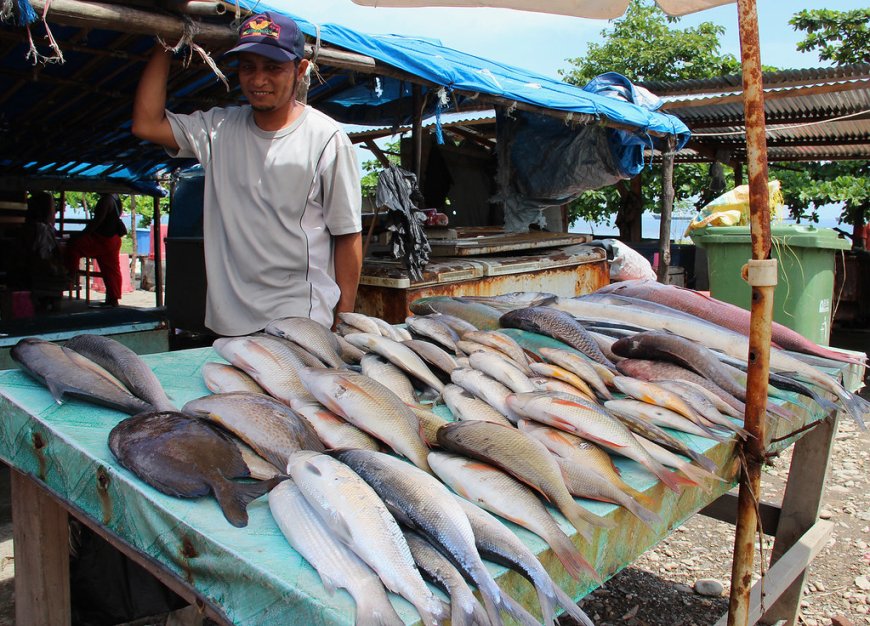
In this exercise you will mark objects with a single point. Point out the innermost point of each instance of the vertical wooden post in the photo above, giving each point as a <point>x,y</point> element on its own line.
<point>804,493</point>
<point>135,250</point>
<point>417,132</point>
<point>753,448</point>
<point>158,252</point>
<point>40,539</point>
<point>667,209</point>
<point>62,210</point>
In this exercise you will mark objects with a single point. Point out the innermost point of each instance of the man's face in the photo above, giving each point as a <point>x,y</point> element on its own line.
<point>268,85</point>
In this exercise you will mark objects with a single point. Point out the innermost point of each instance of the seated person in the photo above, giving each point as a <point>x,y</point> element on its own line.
<point>37,263</point>
<point>101,239</point>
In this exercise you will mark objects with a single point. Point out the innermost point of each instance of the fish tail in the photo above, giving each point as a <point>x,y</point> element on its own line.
<point>459,614</point>
<point>548,601</point>
<point>518,611</point>
<point>234,497</point>
<point>493,601</point>
<point>580,515</point>
<point>705,462</point>
<point>855,405</point>
<point>672,480</point>
<point>574,562</point>
<point>648,517</point>
<point>571,607</point>
<point>376,609</point>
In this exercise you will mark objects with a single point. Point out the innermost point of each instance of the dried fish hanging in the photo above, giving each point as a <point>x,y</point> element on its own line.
<point>397,191</point>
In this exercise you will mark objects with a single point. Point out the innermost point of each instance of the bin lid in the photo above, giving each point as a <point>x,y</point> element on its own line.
<point>796,235</point>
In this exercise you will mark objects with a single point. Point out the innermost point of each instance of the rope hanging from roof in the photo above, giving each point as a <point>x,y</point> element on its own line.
<point>189,32</point>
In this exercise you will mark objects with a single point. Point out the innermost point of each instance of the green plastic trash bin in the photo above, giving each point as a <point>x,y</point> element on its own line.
<point>806,256</point>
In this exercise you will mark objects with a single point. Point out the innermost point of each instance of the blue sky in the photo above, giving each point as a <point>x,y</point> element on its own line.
<point>542,43</point>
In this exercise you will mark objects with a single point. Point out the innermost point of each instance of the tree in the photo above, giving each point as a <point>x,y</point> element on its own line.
<point>373,167</point>
<point>844,38</point>
<point>839,36</point>
<point>643,45</point>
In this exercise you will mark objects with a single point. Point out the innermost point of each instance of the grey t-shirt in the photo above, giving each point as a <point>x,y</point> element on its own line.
<point>272,202</point>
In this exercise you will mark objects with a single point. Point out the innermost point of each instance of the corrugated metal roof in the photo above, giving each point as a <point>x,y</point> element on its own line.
<point>811,114</point>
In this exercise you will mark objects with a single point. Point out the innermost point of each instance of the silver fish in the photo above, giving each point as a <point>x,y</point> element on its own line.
<point>315,338</point>
<point>432,354</point>
<point>503,343</point>
<point>267,360</point>
<point>421,501</point>
<point>465,609</point>
<point>53,366</point>
<point>398,354</point>
<point>498,492</point>
<point>566,376</point>
<point>496,543</point>
<point>524,458</point>
<point>125,365</point>
<point>581,366</point>
<point>362,323</point>
<point>361,521</point>
<point>437,331</point>
<point>501,370</point>
<point>223,378</point>
<point>590,421</point>
<point>484,387</point>
<point>375,366</point>
<point>660,416</point>
<point>338,565</point>
<point>333,430</point>
<point>467,406</point>
<point>370,406</point>
<point>268,426</point>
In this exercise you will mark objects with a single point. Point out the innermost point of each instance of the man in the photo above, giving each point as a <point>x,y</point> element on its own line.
<point>282,193</point>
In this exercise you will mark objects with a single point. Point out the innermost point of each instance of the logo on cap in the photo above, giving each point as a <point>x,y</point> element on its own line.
<point>260,26</point>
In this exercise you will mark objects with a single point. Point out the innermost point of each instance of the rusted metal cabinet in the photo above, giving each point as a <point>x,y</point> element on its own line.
<point>386,290</point>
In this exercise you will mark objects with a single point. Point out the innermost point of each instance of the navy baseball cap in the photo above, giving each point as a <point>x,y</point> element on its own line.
<point>271,35</point>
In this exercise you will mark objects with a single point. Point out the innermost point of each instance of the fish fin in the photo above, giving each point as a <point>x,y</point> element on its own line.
<point>705,462</point>
<point>571,607</point>
<point>570,557</point>
<point>57,390</point>
<point>311,467</point>
<point>547,600</point>
<point>648,517</point>
<point>234,497</point>
<point>603,442</point>
<point>672,480</point>
<point>517,611</point>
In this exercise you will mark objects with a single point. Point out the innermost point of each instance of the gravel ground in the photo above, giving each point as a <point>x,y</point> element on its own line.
<point>658,589</point>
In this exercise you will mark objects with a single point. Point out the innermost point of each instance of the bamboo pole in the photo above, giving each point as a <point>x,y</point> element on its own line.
<point>753,448</point>
<point>129,20</point>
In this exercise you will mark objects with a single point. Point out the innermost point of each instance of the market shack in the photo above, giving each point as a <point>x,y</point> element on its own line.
<point>551,142</point>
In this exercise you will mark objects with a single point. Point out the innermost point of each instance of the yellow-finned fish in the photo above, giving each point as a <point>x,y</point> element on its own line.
<point>582,367</point>
<point>334,431</point>
<point>223,378</point>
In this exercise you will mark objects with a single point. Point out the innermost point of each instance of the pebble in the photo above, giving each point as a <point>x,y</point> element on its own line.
<point>863,583</point>
<point>683,588</point>
<point>709,587</point>
<point>839,620</point>
<point>825,514</point>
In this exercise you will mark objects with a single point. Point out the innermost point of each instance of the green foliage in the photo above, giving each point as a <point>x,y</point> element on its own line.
<point>643,45</point>
<point>373,167</point>
<point>839,36</point>
<point>805,188</point>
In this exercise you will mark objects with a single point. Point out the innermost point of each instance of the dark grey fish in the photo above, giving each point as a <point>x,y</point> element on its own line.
<point>465,609</point>
<point>558,325</point>
<point>125,365</point>
<point>481,316</point>
<point>184,457</point>
<point>657,345</point>
<point>61,371</point>
<point>515,300</point>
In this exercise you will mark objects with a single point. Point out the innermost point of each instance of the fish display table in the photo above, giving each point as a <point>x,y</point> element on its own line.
<point>62,464</point>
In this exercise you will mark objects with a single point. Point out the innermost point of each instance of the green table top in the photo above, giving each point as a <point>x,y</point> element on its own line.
<point>252,574</point>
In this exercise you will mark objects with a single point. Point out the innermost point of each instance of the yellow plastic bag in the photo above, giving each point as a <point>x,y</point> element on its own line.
<point>732,208</point>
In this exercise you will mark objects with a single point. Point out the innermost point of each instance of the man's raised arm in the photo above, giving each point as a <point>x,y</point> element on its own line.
<point>149,106</point>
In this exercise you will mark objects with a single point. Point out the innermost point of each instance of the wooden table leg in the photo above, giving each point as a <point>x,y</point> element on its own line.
<point>801,503</point>
<point>40,536</point>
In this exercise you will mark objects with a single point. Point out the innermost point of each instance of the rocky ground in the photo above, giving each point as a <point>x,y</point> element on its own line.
<point>659,588</point>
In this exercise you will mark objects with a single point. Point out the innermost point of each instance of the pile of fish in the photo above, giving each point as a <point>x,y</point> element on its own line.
<point>379,491</point>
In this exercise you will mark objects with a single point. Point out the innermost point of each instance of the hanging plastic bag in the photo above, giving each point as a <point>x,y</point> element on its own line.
<point>732,208</point>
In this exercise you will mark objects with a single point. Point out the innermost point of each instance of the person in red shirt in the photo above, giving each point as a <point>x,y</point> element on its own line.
<point>101,239</point>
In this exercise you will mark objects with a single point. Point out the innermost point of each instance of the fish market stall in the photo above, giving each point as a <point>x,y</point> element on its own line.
<point>62,464</point>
